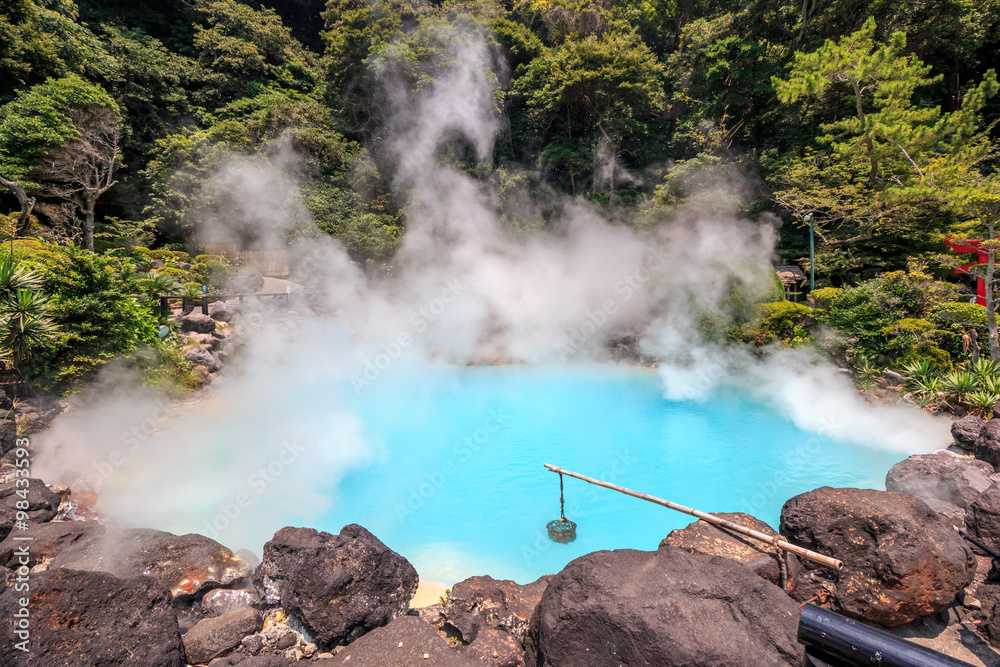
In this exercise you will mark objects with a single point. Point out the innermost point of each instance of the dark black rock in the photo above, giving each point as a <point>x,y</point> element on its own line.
<point>92,618</point>
<point>338,586</point>
<point>43,504</point>
<point>253,661</point>
<point>987,445</point>
<point>983,517</point>
<point>47,540</point>
<point>941,475</point>
<point>185,564</point>
<point>666,607</point>
<point>707,539</point>
<point>484,602</point>
<point>8,435</point>
<point>495,648</point>
<point>901,558</point>
<point>212,637</point>
<point>966,430</point>
<point>198,323</point>
<point>402,643</point>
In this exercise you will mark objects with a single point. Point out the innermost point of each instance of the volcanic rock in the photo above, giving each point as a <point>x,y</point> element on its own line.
<point>665,607</point>
<point>213,637</point>
<point>242,660</point>
<point>338,586</point>
<point>405,642</point>
<point>941,475</point>
<point>707,539</point>
<point>224,600</point>
<point>953,513</point>
<point>47,540</point>
<point>185,564</point>
<point>93,618</point>
<point>198,323</point>
<point>966,430</point>
<point>901,558</point>
<point>43,504</point>
<point>219,310</point>
<point>484,602</point>
<point>495,648</point>
<point>200,357</point>
<point>983,517</point>
<point>8,435</point>
<point>987,445</point>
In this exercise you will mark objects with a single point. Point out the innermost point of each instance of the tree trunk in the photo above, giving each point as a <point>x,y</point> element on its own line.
<point>27,204</point>
<point>88,225</point>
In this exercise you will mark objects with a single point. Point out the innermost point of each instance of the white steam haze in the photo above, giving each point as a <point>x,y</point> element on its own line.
<point>464,289</point>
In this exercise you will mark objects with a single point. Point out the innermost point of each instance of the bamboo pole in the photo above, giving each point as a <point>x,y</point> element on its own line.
<point>773,540</point>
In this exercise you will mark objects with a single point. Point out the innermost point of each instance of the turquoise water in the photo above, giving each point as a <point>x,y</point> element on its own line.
<point>460,489</point>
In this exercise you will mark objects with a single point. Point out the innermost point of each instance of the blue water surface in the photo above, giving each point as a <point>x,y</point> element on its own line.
<point>460,488</point>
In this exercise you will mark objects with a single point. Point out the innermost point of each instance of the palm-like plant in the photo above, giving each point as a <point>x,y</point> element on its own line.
<point>929,387</point>
<point>14,277</point>
<point>982,402</point>
<point>157,285</point>
<point>960,384</point>
<point>983,367</point>
<point>918,372</point>
<point>24,324</point>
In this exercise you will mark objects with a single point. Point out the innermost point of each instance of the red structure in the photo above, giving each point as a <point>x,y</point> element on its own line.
<point>968,246</point>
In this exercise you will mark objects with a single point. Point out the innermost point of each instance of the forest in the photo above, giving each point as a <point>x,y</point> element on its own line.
<point>875,123</point>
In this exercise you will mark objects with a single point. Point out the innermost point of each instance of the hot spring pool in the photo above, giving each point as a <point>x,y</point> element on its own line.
<point>459,488</point>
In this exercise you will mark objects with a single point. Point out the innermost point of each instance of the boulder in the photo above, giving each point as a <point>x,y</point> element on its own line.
<point>901,558</point>
<point>484,602</point>
<point>224,600</point>
<point>989,595</point>
<point>941,475</point>
<point>495,648</point>
<point>966,430</point>
<point>93,618</point>
<point>219,310</point>
<point>987,445</point>
<point>8,435</point>
<point>185,564</point>
<point>47,540</point>
<point>405,642</point>
<point>953,513</point>
<point>707,539</point>
<point>983,517</point>
<point>212,637</point>
<point>665,607</point>
<point>243,660</point>
<point>200,357</point>
<point>338,586</point>
<point>198,323</point>
<point>43,504</point>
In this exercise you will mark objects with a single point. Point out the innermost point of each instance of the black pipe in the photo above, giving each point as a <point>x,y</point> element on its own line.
<point>840,638</point>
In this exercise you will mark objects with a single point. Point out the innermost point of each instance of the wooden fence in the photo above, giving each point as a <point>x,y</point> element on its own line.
<point>273,263</point>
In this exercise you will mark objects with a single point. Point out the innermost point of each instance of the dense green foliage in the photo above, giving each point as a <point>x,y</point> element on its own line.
<point>876,119</point>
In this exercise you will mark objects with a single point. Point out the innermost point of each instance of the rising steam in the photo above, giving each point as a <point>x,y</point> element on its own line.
<point>465,289</point>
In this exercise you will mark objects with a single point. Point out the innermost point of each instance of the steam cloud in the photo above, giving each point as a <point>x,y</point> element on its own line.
<point>465,289</point>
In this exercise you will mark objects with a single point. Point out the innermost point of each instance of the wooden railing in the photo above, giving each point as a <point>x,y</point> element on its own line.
<point>165,299</point>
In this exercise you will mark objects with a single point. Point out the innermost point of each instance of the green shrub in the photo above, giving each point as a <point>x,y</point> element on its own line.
<point>213,273</point>
<point>180,274</point>
<point>824,297</point>
<point>786,320</point>
<point>962,314</point>
<point>927,351</point>
<point>99,319</point>
<point>201,259</point>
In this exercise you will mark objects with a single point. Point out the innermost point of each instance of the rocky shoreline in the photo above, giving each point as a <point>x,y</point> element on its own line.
<point>703,597</point>
<point>124,596</point>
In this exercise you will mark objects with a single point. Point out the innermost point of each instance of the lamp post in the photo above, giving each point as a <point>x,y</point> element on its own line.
<point>812,254</point>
